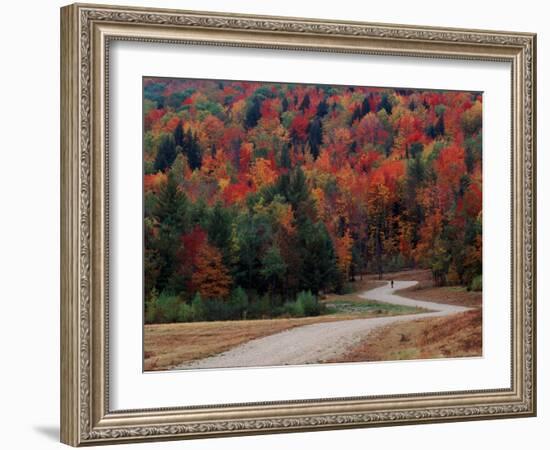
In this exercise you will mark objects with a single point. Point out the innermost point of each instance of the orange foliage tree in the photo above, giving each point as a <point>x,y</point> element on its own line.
<point>343,249</point>
<point>210,277</point>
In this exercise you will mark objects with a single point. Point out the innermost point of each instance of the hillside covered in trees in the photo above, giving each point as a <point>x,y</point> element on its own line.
<point>261,196</point>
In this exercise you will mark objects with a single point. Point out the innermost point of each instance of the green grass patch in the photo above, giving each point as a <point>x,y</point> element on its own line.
<point>368,307</point>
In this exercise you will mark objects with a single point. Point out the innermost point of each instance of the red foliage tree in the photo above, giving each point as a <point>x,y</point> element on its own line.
<point>299,127</point>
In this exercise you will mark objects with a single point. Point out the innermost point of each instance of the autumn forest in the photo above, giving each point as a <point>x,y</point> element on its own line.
<point>260,198</point>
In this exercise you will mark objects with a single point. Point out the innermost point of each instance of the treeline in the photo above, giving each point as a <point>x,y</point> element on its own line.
<point>260,197</point>
<point>271,251</point>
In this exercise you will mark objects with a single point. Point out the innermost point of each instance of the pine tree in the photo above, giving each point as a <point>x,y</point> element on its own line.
<point>178,134</point>
<point>322,108</point>
<point>416,148</point>
<point>192,150</point>
<point>284,104</point>
<point>365,106</point>
<point>253,113</point>
<point>305,102</point>
<point>385,104</point>
<point>273,268</point>
<point>315,137</point>
<point>219,230</point>
<point>439,128</point>
<point>166,153</point>
<point>319,269</point>
<point>171,216</point>
<point>357,115</point>
<point>285,157</point>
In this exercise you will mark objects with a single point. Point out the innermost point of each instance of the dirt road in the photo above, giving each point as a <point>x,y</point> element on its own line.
<point>322,341</point>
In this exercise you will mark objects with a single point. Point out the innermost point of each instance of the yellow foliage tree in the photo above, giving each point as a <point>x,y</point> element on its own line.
<point>263,172</point>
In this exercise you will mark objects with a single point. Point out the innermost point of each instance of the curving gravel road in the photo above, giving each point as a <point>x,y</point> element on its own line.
<point>322,341</point>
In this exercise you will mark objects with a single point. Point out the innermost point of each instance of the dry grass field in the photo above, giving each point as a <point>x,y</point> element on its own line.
<point>455,336</point>
<point>452,295</point>
<point>167,345</point>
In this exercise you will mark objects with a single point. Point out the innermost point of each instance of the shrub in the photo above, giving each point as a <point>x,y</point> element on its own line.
<point>217,309</point>
<point>199,310</point>
<point>167,307</point>
<point>238,307</point>
<point>279,311</point>
<point>477,283</point>
<point>294,309</point>
<point>185,313</point>
<point>260,308</point>
<point>151,308</point>
<point>308,303</point>
<point>239,302</point>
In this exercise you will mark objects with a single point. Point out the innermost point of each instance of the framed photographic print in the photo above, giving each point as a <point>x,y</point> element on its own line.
<point>274,224</point>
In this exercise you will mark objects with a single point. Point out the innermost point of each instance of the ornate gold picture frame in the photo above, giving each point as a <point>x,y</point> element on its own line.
<point>87,32</point>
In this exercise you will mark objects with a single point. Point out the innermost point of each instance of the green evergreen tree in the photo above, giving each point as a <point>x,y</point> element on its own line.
<point>219,230</point>
<point>239,301</point>
<point>315,137</point>
<point>322,108</point>
<point>319,269</point>
<point>285,157</point>
<point>171,215</point>
<point>385,104</point>
<point>166,153</point>
<point>356,115</point>
<point>416,148</point>
<point>192,150</point>
<point>439,127</point>
<point>254,232</point>
<point>253,113</point>
<point>365,105</point>
<point>284,104</point>
<point>305,102</point>
<point>178,134</point>
<point>273,268</point>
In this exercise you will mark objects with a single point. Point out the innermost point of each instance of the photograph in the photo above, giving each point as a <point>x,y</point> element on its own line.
<point>291,223</point>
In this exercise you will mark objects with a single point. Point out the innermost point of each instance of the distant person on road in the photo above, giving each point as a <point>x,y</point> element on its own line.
<point>391,282</point>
